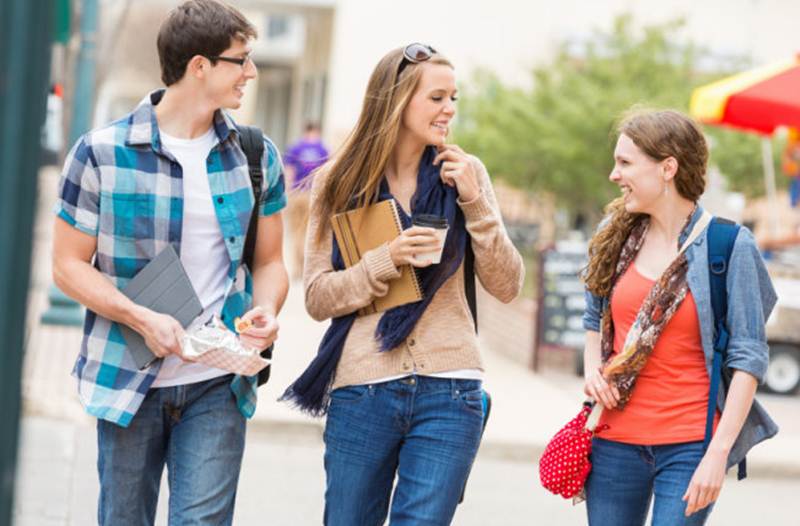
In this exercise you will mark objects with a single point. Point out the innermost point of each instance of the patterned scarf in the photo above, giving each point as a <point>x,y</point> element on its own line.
<point>657,309</point>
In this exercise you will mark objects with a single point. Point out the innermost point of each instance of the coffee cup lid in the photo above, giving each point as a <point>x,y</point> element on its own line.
<point>430,220</point>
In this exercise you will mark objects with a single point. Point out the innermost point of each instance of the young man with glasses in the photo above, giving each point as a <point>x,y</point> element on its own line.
<point>172,173</point>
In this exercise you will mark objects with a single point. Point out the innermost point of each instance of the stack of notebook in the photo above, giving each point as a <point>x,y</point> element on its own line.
<point>358,231</point>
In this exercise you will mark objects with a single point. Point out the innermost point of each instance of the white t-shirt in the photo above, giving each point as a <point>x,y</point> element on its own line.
<point>203,251</point>
<point>458,374</point>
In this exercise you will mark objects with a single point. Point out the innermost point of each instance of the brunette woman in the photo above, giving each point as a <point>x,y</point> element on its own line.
<point>650,335</point>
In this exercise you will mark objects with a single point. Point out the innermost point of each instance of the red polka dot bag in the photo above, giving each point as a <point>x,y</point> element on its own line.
<point>565,464</point>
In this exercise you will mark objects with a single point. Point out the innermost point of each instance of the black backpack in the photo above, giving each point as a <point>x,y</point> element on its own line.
<point>252,142</point>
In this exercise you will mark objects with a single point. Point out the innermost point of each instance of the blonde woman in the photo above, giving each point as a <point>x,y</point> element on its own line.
<point>402,388</point>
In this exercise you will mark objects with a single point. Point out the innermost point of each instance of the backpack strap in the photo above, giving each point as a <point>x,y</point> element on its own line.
<point>721,238</point>
<point>252,142</point>
<point>469,281</point>
<point>469,292</point>
<point>251,139</point>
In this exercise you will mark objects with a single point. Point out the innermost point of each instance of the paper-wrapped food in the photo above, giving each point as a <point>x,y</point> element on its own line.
<point>216,346</point>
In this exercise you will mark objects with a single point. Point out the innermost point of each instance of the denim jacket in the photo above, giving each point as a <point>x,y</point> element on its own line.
<point>751,298</point>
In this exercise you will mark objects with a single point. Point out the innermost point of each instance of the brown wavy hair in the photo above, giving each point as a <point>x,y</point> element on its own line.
<point>660,135</point>
<point>355,172</point>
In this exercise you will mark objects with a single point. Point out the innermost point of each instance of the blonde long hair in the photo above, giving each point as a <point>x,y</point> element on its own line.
<point>355,172</point>
<point>659,134</point>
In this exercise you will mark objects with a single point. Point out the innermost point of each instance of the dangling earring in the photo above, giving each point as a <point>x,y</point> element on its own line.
<point>666,190</point>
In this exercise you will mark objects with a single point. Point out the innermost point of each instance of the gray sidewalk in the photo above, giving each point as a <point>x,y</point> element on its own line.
<point>283,482</point>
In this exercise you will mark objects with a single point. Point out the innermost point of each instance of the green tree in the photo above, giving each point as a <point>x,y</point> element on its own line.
<point>558,135</point>
<point>738,156</point>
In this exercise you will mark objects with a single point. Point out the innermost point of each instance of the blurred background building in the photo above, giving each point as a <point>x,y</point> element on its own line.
<point>314,56</point>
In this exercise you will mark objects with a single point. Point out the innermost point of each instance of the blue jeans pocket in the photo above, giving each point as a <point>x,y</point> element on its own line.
<point>472,400</point>
<point>350,393</point>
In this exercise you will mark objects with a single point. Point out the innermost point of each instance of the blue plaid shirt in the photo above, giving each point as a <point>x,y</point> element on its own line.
<point>122,187</point>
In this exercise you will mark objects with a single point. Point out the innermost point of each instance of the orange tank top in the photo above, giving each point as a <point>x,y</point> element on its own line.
<point>670,398</point>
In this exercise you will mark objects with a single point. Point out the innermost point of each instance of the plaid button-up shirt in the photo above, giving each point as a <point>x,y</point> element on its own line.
<point>120,185</point>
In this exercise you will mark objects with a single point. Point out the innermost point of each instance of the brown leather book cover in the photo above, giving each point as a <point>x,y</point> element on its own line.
<point>363,229</point>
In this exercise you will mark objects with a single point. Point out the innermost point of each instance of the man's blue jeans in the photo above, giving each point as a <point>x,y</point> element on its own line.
<point>198,431</point>
<point>426,430</point>
<point>625,477</point>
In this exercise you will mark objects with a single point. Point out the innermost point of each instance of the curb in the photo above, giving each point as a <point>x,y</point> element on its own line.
<point>530,452</point>
<point>504,450</point>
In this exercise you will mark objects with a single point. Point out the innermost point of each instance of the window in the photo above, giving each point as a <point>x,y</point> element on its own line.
<point>277,26</point>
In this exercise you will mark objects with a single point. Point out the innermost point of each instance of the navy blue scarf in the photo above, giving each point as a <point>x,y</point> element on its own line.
<point>310,391</point>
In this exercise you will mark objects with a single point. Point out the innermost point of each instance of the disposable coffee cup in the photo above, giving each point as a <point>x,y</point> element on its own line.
<point>439,224</point>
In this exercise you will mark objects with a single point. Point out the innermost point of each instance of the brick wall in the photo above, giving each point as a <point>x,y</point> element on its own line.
<point>508,329</point>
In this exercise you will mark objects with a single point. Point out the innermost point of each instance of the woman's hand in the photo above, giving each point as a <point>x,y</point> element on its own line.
<point>457,170</point>
<point>413,241</point>
<point>706,482</point>
<point>598,388</point>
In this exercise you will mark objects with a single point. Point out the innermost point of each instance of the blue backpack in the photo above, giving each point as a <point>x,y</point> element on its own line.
<point>721,238</point>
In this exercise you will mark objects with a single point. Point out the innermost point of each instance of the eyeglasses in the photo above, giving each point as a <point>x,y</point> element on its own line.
<point>414,54</point>
<point>232,60</point>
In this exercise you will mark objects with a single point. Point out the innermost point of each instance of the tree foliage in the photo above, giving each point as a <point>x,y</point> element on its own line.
<point>558,135</point>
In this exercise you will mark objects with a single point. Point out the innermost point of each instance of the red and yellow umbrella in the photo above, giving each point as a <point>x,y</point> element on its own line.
<point>758,100</point>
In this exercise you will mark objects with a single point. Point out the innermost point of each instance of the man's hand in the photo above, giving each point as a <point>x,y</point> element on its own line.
<point>263,331</point>
<point>162,333</point>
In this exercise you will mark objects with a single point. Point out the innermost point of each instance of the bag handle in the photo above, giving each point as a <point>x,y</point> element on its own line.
<point>701,224</point>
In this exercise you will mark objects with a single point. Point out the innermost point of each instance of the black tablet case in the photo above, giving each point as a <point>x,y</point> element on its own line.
<point>163,286</point>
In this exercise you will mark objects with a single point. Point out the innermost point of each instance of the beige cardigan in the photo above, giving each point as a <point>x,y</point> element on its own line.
<point>444,338</point>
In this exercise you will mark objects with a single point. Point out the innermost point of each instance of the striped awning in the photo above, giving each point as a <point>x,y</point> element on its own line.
<point>758,100</point>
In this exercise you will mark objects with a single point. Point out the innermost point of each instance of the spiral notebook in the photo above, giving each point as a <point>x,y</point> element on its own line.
<point>363,229</point>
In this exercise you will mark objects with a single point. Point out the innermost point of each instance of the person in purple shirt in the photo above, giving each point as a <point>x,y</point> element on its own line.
<point>301,159</point>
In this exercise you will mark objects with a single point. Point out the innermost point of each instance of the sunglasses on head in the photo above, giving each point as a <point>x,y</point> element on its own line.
<point>414,54</point>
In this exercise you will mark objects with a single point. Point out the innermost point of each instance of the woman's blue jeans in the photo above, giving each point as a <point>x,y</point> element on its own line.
<point>198,432</point>
<point>625,478</point>
<point>425,430</point>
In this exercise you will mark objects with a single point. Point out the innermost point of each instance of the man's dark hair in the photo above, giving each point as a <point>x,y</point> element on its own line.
<point>198,27</point>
